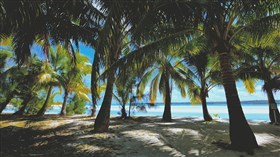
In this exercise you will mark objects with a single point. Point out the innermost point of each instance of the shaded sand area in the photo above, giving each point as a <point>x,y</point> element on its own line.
<point>137,137</point>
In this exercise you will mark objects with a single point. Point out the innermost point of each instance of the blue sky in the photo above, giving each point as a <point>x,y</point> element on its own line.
<point>216,94</point>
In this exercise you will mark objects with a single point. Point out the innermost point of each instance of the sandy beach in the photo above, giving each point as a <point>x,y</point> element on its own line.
<point>137,137</point>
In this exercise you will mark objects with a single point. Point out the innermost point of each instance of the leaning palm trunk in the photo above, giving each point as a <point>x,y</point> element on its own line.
<point>93,111</point>
<point>103,118</point>
<point>6,102</point>
<point>206,114</point>
<point>273,109</point>
<point>93,87</point>
<point>23,107</point>
<point>45,105</point>
<point>241,135</point>
<point>124,114</point>
<point>63,108</point>
<point>167,103</point>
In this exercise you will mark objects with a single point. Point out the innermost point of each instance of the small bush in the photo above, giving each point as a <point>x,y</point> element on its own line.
<point>76,106</point>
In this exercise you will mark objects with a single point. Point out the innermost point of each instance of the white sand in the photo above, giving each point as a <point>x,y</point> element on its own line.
<point>183,137</point>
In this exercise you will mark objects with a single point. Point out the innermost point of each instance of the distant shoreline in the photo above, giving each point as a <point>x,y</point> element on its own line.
<point>217,102</point>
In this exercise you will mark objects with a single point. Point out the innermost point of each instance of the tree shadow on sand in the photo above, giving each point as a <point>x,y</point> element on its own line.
<point>134,137</point>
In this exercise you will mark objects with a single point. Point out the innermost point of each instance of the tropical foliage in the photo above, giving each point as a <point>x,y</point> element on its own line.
<point>136,43</point>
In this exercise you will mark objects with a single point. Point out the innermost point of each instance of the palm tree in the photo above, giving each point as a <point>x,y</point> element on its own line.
<point>49,81</point>
<point>61,21</point>
<point>70,78</point>
<point>133,18</point>
<point>222,22</point>
<point>7,86</point>
<point>166,70</point>
<point>262,61</point>
<point>27,83</point>
<point>202,76</point>
<point>125,82</point>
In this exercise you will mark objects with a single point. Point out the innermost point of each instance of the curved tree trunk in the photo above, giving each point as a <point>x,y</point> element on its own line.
<point>45,105</point>
<point>129,108</point>
<point>24,104</point>
<point>206,114</point>
<point>273,109</point>
<point>167,102</point>
<point>6,102</point>
<point>103,118</point>
<point>63,108</point>
<point>93,111</point>
<point>93,84</point>
<point>124,114</point>
<point>241,135</point>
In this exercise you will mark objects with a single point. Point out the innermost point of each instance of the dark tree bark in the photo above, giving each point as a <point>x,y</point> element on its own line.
<point>241,135</point>
<point>93,111</point>
<point>4,104</point>
<point>42,111</point>
<point>63,108</point>
<point>273,109</point>
<point>93,84</point>
<point>24,104</point>
<point>124,114</point>
<point>129,108</point>
<point>167,102</point>
<point>206,114</point>
<point>103,118</point>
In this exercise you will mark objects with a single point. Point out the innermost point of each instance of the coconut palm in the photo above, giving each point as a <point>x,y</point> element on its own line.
<point>133,18</point>
<point>202,76</point>
<point>7,87</point>
<point>166,70</point>
<point>125,82</point>
<point>61,21</point>
<point>71,77</point>
<point>262,61</point>
<point>27,83</point>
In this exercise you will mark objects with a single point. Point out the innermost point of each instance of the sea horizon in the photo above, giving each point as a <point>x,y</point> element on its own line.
<point>253,109</point>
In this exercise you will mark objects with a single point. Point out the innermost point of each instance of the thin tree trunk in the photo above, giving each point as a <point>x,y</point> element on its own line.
<point>6,102</point>
<point>103,118</point>
<point>206,114</point>
<point>273,109</point>
<point>167,103</point>
<point>45,105</point>
<point>241,135</point>
<point>93,87</point>
<point>129,108</point>
<point>124,115</point>
<point>93,111</point>
<point>63,108</point>
<point>24,104</point>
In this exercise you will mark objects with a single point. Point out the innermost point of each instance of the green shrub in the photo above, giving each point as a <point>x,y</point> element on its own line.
<point>76,106</point>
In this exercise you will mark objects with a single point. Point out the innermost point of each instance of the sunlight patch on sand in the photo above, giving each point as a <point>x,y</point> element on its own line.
<point>148,125</point>
<point>264,139</point>
<point>153,139</point>
<point>190,132</point>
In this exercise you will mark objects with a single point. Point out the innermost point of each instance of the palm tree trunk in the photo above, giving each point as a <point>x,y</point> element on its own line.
<point>93,87</point>
<point>103,118</point>
<point>206,114</point>
<point>63,108</point>
<point>167,103</point>
<point>241,135</point>
<point>124,115</point>
<point>6,102</point>
<point>23,106</point>
<point>129,108</point>
<point>45,105</point>
<point>273,109</point>
<point>93,111</point>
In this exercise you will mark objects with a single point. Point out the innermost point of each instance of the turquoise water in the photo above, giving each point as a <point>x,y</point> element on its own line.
<point>253,111</point>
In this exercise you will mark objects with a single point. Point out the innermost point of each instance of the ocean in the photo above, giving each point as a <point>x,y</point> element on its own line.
<point>254,110</point>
